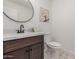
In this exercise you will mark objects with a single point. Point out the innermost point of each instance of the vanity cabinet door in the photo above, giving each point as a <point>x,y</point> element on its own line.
<point>36,51</point>
<point>18,54</point>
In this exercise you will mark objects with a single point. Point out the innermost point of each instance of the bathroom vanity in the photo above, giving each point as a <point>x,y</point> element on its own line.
<point>24,48</point>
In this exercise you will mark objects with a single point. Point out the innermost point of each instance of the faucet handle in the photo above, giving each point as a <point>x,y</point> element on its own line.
<point>23,31</point>
<point>18,31</point>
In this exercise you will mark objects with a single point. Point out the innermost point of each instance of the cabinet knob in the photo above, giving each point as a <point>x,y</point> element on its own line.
<point>27,50</point>
<point>30,49</point>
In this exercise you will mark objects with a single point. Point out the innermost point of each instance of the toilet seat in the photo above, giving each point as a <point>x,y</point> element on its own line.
<point>53,44</point>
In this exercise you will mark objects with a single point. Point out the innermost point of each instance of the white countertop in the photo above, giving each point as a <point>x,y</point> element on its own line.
<point>21,35</point>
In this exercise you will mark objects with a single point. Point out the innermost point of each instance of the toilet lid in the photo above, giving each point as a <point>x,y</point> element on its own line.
<point>54,44</point>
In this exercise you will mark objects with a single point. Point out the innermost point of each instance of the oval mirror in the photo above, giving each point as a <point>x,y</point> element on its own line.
<point>18,10</point>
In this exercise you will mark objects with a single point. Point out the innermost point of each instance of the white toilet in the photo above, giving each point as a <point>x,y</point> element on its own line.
<point>55,49</point>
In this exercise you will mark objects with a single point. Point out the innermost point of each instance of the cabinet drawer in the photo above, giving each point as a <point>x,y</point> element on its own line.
<point>12,45</point>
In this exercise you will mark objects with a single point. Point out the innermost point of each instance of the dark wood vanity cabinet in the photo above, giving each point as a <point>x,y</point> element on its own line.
<point>25,48</point>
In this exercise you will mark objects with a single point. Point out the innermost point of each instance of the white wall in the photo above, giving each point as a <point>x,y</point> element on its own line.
<point>11,26</point>
<point>63,19</point>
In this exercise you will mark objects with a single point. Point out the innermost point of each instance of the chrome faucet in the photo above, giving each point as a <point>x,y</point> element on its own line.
<point>21,30</point>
